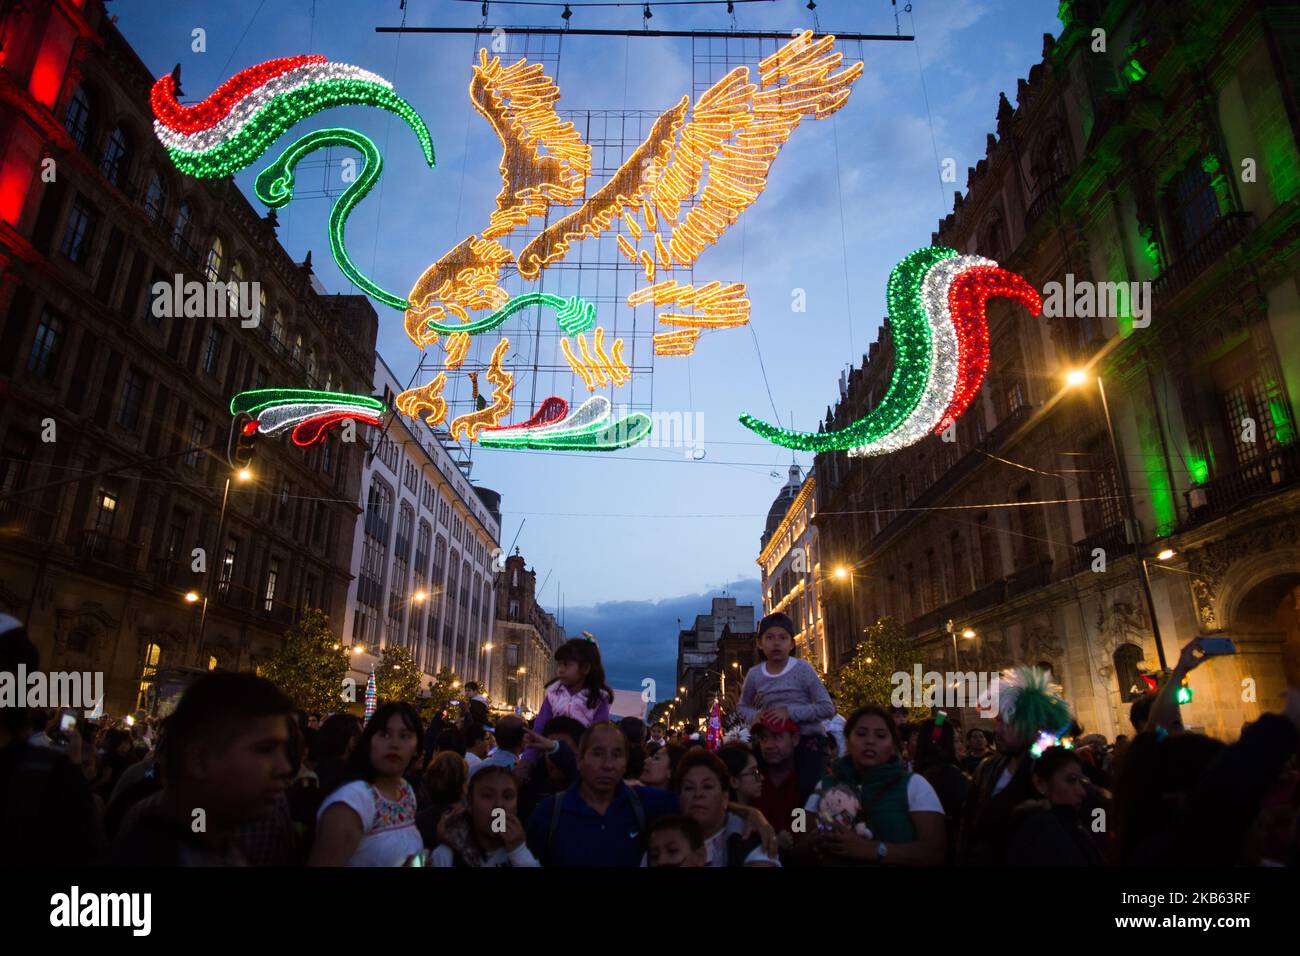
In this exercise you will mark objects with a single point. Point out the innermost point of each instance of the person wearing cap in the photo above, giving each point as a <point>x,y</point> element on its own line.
<point>776,741</point>
<point>784,688</point>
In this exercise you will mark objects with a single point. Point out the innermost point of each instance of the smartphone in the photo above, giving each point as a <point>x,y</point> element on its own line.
<point>68,723</point>
<point>1215,646</point>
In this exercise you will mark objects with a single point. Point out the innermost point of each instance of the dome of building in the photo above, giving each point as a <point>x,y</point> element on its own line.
<point>787,494</point>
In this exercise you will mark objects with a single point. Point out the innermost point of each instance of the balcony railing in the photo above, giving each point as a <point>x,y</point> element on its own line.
<point>987,596</point>
<point>22,521</point>
<point>1048,197</point>
<point>1271,471</point>
<point>96,546</point>
<point>1030,578</point>
<point>1113,540</point>
<point>1225,234</point>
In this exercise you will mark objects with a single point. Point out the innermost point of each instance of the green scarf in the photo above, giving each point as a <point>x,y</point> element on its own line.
<point>883,792</point>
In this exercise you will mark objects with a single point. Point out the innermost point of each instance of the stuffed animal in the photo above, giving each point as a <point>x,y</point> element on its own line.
<point>840,804</point>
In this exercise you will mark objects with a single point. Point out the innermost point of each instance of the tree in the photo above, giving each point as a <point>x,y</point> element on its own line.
<point>308,667</point>
<point>443,689</point>
<point>398,676</point>
<point>868,677</point>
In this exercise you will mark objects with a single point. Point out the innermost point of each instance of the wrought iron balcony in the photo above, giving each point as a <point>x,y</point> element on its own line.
<point>993,593</point>
<point>1272,471</point>
<point>22,521</point>
<point>1112,539</point>
<point>1225,234</point>
<point>97,546</point>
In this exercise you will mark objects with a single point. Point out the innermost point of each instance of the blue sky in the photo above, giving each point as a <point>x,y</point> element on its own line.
<point>638,538</point>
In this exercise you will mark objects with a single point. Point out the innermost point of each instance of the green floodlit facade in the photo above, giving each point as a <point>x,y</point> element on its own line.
<point>1172,161</point>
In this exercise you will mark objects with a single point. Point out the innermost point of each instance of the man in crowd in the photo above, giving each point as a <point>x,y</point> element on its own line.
<point>977,748</point>
<point>476,743</point>
<point>225,764</point>
<point>47,815</point>
<point>510,732</point>
<point>776,742</point>
<point>600,821</point>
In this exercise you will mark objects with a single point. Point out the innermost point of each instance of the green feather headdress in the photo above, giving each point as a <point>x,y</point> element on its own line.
<point>1030,702</point>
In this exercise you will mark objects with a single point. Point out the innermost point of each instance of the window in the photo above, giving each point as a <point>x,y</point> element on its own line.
<point>272,576</point>
<point>232,288</point>
<point>379,512</point>
<point>133,389</point>
<point>78,232</point>
<point>77,118</point>
<point>277,328</point>
<point>512,656</point>
<point>212,267</point>
<point>184,225</point>
<point>422,549</point>
<point>116,156</point>
<point>1127,657</point>
<point>405,527</point>
<point>105,512</point>
<point>227,567</point>
<point>514,610</point>
<point>1015,397</point>
<point>1194,206</point>
<point>212,348</point>
<point>155,197</point>
<point>259,377</point>
<point>15,460</point>
<point>198,438</point>
<point>148,674</point>
<point>43,360</point>
<point>990,555</point>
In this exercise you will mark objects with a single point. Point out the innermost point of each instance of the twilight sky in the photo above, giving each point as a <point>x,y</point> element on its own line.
<point>636,539</point>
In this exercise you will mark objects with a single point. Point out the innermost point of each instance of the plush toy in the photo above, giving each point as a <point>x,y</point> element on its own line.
<point>840,804</point>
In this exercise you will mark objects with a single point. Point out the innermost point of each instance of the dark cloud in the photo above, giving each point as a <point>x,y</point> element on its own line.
<point>638,639</point>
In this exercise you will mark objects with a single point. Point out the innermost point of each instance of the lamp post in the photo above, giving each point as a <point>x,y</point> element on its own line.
<point>966,633</point>
<point>1078,377</point>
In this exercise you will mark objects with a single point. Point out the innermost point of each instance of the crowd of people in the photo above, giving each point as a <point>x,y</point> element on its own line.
<point>236,775</point>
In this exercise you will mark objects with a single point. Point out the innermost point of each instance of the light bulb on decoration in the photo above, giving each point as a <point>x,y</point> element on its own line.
<point>311,413</point>
<point>918,319</point>
<point>336,645</point>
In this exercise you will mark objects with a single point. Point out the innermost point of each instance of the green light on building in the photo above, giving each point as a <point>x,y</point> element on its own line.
<point>1133,71</point>
<point>1199,469</point>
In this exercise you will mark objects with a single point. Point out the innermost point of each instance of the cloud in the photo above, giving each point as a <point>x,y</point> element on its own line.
<point>638,639</point>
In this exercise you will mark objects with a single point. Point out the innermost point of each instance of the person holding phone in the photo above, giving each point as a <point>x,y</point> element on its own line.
<point>1165,709</point>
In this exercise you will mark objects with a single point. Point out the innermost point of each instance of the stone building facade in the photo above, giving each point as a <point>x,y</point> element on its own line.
<point>114,418</point>
<point>789,566</point>
<point>524,639</point>
<point>1171,158</point>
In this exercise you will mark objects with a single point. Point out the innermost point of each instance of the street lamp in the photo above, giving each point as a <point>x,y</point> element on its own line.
<point>419,597</point>
<point>967,633</point>
<point>244,474</point>
<point>191,596</point>
<point>1078,377</point>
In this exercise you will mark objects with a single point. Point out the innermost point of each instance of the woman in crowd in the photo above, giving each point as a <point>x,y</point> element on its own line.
<point>660,765</point>
<point>702,783</point>
<point>443,787</point>
<point>936,760</point>
<point>746,781</point>
<point>875,810</point>
<point>485,829</point>
<point>1052,830</point>
<point>370,821</point>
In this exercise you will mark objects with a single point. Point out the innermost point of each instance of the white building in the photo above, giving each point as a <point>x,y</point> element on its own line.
<point>790,563</point>
<point>422,566</point>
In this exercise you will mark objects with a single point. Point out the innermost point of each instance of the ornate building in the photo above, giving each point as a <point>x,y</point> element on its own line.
<point>425,555</point>
<point>789,566</point>
<point>524,639</point>
<point>1169,158</point>
<point>114,419</point>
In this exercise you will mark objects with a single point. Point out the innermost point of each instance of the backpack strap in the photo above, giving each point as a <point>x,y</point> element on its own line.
<point>556,809</point>
<point>638,809</point>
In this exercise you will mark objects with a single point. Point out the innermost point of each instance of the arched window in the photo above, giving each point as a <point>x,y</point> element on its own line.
<point>113,164</point>
<point>311,361</point>
<point>1127,657</point>
<point>277,328</point>
<point>1193,205</point>
<point>184,225</point>
<point>261,307</point>
<point>297,348</point>
<point>77,119</point>
<point>212,268</point>
<point>148,675</point>
<point>992,244</point>
<point>155,197</point>
<point>232,288</point>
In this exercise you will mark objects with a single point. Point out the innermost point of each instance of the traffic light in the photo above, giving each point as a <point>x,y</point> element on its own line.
<point>243,434</point>
<point>1184,693</point>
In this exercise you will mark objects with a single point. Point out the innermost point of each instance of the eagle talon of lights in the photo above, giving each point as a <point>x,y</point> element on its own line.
<point>939,324</point>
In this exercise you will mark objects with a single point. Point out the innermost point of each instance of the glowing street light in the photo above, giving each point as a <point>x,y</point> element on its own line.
<point>191,597</point>
<point>841,572</point>
<point>968,633</point>
<point>244,474</point>
<point>1165,554</point>
<point>1075,377</point>
<point>419,597</point>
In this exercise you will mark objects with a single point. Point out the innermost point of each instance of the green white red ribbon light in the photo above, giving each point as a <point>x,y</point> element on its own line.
<point>937,318</point>
<point>311,413</point>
